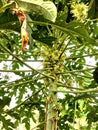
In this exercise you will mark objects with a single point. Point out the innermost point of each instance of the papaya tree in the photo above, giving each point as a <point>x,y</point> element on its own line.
<point>48,55</point>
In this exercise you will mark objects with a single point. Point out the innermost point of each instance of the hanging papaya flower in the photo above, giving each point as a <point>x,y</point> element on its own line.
<point>24,34</point>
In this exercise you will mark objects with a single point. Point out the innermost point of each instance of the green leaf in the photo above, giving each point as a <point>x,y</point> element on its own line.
<point>62,15</point>
<point>91,11</point>
<point>4,1</point>
<point>73,28</point>
<point>8,21</point>
<point>48,40</point>
<point>27,123</point>
<point>2,82</point>
<point>84,96</point>
<point>7,124</point>
<point>4,102</point>
<point>1,3</point>
<point>6,6</point>
<point>47,8</point>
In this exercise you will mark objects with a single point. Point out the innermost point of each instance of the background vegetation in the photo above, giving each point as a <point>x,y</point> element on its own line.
<point>63,40</point>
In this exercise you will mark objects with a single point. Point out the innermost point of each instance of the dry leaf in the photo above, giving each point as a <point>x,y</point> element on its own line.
<point>24,33</point>
<point>20,14</point>
<point>25,38</point>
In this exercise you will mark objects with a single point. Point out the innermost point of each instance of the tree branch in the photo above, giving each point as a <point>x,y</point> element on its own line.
<point>14,71</point>
<point>7,50</point>
<point>64,49</point>
<point>25,61</point>
<point>75,57</point>
<point>22,83</point>
<point>82,91</point>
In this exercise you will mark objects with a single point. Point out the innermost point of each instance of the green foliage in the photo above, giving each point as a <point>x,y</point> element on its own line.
<point>9,21</point>
<point>61,46</point>
<point>45,8</point>
<point>6,6</point>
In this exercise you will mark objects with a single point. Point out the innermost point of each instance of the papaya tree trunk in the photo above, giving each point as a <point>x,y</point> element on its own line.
<point>54,57</point>
<point>52,111</point>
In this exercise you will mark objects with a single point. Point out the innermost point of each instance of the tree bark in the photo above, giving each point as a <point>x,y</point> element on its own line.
<point>52,111</point>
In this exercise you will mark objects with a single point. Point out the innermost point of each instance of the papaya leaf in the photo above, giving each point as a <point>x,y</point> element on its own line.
<point>49,11</point>
<point>8,21</point>
<point>4,1</point>
<point>84,96</point>
<point>48,40</point>
<point>91,9</point>
<point>4,102</point>
<point>73,28</point>
<point>7,124</point>
<point>45,8</point>
<point>1,3</point>
<point>6,6</point>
